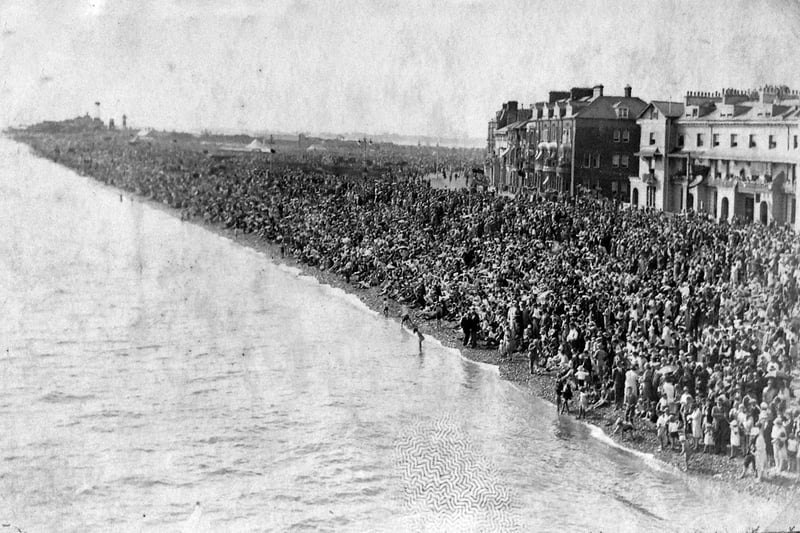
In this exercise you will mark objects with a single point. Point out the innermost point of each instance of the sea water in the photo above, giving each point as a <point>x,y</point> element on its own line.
<point>159,377</point>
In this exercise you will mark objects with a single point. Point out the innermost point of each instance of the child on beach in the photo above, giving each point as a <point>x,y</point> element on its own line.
<point>674,429</point>
<point>580,376</point>
<point>750,459</point>
<point>661,429</point>
<point>386,307</point>
<point>685,450</point>
<point>630,404</point>
<point>583,403</point>
<point>708,438</point>
<point>735,440</point>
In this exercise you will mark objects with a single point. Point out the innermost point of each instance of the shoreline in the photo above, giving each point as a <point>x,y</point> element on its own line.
<point>516,371</point>
<point>448,333</point>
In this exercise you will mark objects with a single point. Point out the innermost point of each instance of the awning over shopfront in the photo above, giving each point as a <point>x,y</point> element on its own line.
<point>517,124</point>
<point>649,179</point>
<point>680,152</point>
<point>728,155</point>
<point>649,151</point>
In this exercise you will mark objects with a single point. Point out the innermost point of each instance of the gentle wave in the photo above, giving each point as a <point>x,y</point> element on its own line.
<point>61,397</point>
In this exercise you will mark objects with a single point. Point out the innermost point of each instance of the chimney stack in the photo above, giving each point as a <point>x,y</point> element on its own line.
<point>597,90</point>
<point>627,91</point>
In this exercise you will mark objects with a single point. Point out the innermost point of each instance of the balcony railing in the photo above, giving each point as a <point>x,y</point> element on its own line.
<point>722,180</point>
<point>758,185</point>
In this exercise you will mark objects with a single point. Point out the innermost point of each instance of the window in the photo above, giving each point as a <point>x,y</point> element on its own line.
<point>652,137</point>
<point>734,141</point>
<point>625,161</point>
<point>795,142</point>
<point>622,112</point>
<point>752,141</point>
<point>715,140</point>
<point>587,160</point>
<point>772,143</point>
<point>680,140</point>
<point>694,112</point>
<point>616,136</point>
<point>626,137</point>
<point>615,161</point>
<point>596,160</point>
<point>699,139</point>
<point>651,196</point>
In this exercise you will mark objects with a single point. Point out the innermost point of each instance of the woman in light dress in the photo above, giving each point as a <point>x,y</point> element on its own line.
<point>735,438</point>
<point>708,439</point>
<point>762,460</point>
<point>697,425</point>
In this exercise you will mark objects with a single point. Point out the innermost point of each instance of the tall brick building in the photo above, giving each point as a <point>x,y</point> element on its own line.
<point>577,139</point>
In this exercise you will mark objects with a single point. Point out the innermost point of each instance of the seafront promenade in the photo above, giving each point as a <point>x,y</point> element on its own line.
<point>675,334</point>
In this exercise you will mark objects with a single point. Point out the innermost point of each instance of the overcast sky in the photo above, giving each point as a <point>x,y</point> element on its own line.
<point>428,68</point>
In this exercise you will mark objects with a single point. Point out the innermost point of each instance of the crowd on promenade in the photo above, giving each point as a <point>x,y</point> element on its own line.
<point>678,320</point>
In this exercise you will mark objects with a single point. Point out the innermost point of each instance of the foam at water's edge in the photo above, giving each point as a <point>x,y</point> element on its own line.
<point>354,300</point>
<point>597,432</point>
<point>359,303</point>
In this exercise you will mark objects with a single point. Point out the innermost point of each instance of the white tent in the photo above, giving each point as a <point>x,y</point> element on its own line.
<point>256,146</point>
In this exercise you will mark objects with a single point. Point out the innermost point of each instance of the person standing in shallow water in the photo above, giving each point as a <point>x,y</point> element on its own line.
<point>566,395</point>
<point>420,337</point>
<point>405,316</point>
<point>466,327</point>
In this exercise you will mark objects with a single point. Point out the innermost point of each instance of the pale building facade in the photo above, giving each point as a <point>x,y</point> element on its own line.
<point>729,154</point>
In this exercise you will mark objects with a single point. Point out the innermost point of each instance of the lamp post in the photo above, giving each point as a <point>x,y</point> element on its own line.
<point>686,197</point>
<point>364,142</point>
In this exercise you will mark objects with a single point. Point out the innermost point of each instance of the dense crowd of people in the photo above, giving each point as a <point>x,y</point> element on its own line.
<point>677,320</point>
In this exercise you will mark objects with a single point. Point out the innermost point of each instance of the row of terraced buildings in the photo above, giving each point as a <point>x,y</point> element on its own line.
<point>726,154</point>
